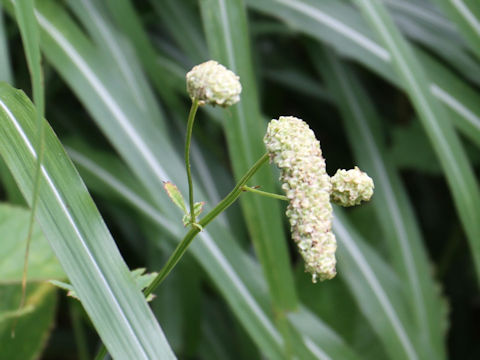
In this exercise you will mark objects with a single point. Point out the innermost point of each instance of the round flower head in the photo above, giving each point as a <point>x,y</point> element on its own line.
<point>292,146</point>
<point>351,187</point>
<point>212,83</point>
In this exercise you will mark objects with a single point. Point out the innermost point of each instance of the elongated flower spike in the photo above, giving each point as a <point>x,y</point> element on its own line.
<point>292,146</point>
<point>212,83</point>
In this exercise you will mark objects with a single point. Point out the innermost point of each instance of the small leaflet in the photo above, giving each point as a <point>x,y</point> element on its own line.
<point>175,195</point>
<point>197,208</point>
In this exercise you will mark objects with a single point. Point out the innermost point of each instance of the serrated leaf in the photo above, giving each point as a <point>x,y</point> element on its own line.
<point>197,210</point>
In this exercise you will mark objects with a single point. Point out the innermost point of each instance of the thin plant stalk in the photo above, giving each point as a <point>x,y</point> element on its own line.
<point>222,205</point>
<point>191,119</point>
<point>24,12</point>
<point>265,193</point>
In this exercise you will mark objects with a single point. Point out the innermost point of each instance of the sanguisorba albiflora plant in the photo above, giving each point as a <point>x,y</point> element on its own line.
<point>292,146</point>
<point>403,75</point>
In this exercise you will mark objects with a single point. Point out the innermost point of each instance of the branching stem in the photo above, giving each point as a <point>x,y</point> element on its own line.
<point>265,193</point>
<point>222,205</point>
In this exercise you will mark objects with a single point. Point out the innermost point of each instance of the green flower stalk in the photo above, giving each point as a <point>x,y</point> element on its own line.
<point>292,146</point>
<point>351,187</point>
<point>212,83</point>
<point>207,83</point>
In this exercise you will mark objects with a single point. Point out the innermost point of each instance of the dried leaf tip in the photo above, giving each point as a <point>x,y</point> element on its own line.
<point>212,83</point>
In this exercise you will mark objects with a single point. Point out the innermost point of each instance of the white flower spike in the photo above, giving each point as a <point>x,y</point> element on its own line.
<point>292,146</point>
<point>212,83</point>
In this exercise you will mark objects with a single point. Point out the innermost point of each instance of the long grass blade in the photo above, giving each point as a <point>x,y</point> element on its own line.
<point>391,201</point>
<point>5,66</point>
<point>435,37</point>
<point>6,75</point>
<point>466,14</point>
<point>127,19</point>
<point>24,13</point>
<point>318,338</point>
<point>341,26</point>
<point>175,14</point>
<point>445,142</point>
<point>79,237</point>
<point>376,290</point>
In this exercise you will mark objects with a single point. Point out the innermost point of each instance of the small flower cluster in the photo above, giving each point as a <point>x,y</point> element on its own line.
<point>351,187</point>
<point>292,146</point>
<point>212,83</point>
<point>295,150</point>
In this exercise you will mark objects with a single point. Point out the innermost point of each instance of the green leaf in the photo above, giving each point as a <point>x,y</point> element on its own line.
<point>5,66</point>
<point>43,265</point>
<point>162,77</point>
<point>197,210</point>
<point>175,195</point>
<point>466,15</point>
<point>181,14</point>
<point>33,327</point>
<point>143,279</point>
<point>377,291</point>
<point>34,321</point>
<point>79,236</point>
<point>452,157</point>
<point>421,23</point>
<point>408,149</point>
<point>318,338</point>
<point>25,16</point>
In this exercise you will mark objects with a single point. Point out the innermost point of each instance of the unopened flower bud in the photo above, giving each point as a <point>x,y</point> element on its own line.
<point>295,150</point>
<point>351,187</point>
<point>212,83</point>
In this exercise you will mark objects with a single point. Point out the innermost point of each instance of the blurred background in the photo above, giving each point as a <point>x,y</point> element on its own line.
<point>328,62</point>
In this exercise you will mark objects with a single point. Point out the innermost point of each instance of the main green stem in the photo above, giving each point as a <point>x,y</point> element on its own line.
<point>191,119</point>
<point>222,205</point>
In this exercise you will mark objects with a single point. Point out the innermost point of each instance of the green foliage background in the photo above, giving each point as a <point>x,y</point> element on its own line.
<point>391,86</point>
